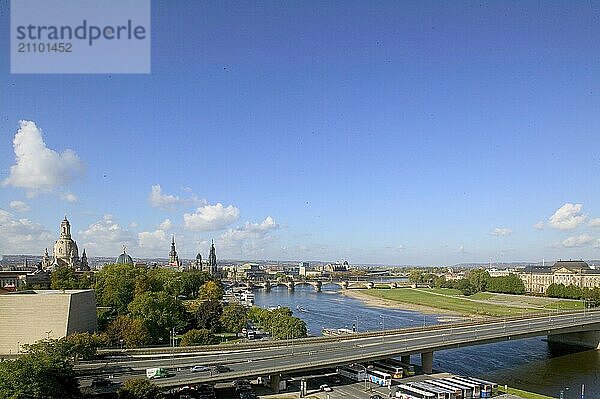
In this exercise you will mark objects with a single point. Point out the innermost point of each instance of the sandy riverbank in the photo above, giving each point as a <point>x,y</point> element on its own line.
<point>370,300</point>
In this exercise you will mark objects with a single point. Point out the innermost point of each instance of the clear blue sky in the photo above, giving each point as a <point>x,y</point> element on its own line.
<point>379,132</point>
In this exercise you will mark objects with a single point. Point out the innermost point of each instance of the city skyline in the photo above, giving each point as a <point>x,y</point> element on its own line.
<point>407,134</point>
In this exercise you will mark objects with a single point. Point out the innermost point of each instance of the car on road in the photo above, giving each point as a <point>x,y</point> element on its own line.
<point>101,382</point>
<point>198,369</point>
<point>222,369</point>
<point>375,397</point>
<point>325,388</point>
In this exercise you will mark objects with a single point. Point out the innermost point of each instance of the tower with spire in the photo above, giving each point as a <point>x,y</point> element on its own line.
<point>173,258</point>
<point>65,252</point>
<point>212,260</point>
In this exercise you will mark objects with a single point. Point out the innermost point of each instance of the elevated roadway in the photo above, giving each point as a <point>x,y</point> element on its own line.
<point>274,358</point>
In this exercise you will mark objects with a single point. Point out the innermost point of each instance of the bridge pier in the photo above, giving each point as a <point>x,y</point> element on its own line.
<point>344,285</point>
<point>405,359</point>
<point>586,339</point>
<point>291,286</point>
<point>267,285</point>
<point>275,378</point>
<point>370,285</point>
<point>318,286</point>
<point>427,362</point>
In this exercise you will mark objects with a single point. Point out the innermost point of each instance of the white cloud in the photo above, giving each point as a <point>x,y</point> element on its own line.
<point>105,237</point>
<point>581,240</point>
<point>171,202</point>
<point>539,225</point>
<point>567,217</point>
<point>22,236</point>
<point>211,217</point>
<point>249,239</point>
<point>19,206</point>
<point>501,231</point>
<point>594,222</point>
<point>39,168</point>
<point>166,224</point>
<point>69,197</point>
<point>153,243</point>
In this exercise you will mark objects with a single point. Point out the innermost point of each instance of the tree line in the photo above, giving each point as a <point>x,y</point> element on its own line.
<point>476,280</point>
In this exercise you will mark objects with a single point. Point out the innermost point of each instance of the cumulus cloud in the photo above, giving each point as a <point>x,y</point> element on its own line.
<point>249,239</point>
<point>501,231</point>
<point>69,197</point>
<point>106,237</point>
<point>38,168</point>
<point>22,236</point>
<point>581,240</point>
<point>594,222</point>
<point>211,217</point>
<point>166,224</point>
<point>539,225</point>
<point>153,243</point>
<point>158,199</point>
<point>19,206</point>
<point>567,217</point>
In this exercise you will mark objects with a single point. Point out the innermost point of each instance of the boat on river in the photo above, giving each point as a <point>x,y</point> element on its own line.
<point>337,331</point>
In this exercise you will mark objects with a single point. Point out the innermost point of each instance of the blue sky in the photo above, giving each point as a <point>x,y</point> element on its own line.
<point>378,132</point>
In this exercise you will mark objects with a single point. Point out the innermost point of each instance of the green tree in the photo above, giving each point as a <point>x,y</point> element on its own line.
<point>160,312</point>
<point>234,317</point>
<point>115,286</point>
<point>38,375</point>
<point>211,291</point>
<point>84,346</point>
<point>478,279</point>
<point>208,315</point>
<point>128,331</point>
<point>198,337</point>
<point>139,388</point>
<point>63,278</point>
<point>192,281</point>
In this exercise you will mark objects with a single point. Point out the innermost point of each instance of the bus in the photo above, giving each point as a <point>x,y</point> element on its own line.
<point>395,372</point>
<point>455,393</point>
<point>379,378</point>
<point>465,392</point>
<point>487,387</point>
<point>413,392</point>
<point>442,393</point>
<point>409,369</point>
<point>353,372</point>
<point>475,389</point>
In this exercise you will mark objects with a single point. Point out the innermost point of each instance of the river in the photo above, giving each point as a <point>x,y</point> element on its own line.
<point>529,364</point>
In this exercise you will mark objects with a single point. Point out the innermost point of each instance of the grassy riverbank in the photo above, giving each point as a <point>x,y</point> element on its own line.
<point>483,304</point>
<point>523,394</point>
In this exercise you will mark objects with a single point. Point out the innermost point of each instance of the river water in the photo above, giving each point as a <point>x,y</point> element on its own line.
<point>529,364</point>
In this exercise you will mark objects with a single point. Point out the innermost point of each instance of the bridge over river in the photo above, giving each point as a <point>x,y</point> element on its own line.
<point>276,357</point>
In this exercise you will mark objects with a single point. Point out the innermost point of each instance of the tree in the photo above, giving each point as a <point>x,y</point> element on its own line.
<point>139,388</point>
<point>63,278</point>
<point>465,286</point>
<point>211,291</point>
<point>198,337</point>
<point>208,315</point>
<point>129,331</point>
<point>85,345</point>
<point>160,312</point>
<point>115,286</point>
<point>192,281</point>
<point>234,317</point>
<point>38,375</point>
<point>478,279</point>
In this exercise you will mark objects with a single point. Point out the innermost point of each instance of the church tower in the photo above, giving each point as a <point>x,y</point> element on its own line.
<point>173,258</point>
<point>212,260</point>
<point>198,262</point>
<point>84,266</point>
<point>65,249</point>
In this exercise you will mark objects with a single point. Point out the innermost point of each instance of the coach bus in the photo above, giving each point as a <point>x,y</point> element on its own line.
<point>409,369</point>
<point>353,372</point>
<point>487,388</point>
<point>475,389</point>
<point>379,378</point>
<point>465,392</point>
<point>442,393</point>
<point>406,391</point>
<point>395,372</point>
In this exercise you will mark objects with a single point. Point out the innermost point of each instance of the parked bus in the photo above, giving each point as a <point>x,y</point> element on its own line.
<point>395,372</point>
<point>455,393</point>
<point>380,378</point>
<point>489,387</point>
<point>475,389</point>
<point>409,369</point>
<point>413,392</point>
<point>353,372</point>
<point>441,393</point>
<point>466,392</point>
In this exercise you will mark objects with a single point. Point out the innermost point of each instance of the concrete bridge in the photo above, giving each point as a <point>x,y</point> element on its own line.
<point>319,284</point>
<point>276,357</point>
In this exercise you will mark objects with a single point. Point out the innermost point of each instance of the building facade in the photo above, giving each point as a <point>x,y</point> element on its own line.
<point>537,279</point>
<point>65,252</point>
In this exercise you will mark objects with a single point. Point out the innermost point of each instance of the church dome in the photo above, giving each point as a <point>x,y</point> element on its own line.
<point>124,259</point>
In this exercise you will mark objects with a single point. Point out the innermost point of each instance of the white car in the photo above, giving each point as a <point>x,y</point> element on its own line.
<point>197,369</point>
<point>325,388</point>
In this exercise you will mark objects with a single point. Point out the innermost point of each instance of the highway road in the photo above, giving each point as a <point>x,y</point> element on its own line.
<point>306,356</point>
